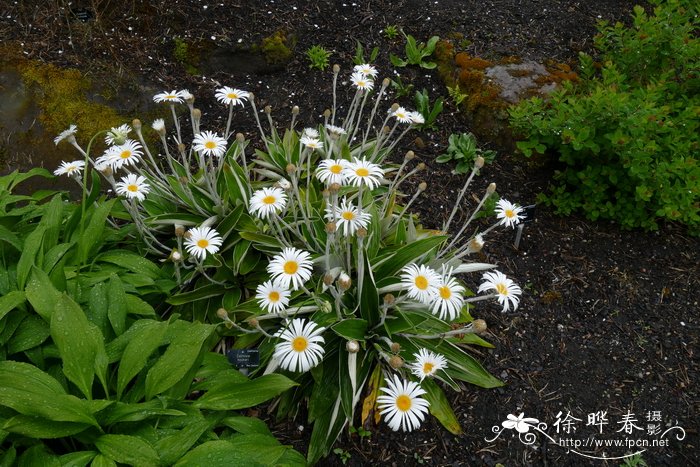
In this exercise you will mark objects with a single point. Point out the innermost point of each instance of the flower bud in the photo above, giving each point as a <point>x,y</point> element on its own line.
<point>386,130</point>
<point>325,194</point>
<point>331,227</point>
<point>181,148</point>
<point>410,155</point>
<point>394,107</point>
<point>325,307</point>
<point>328,278</point>
<point>334,188</point>
<point>336,68</point>
<point>175,256</point>
<point>222,314</point>
<point>479,162</point>
<point>422,186</point>
<point>136,124</point>
<point>240,138</point>
<point>386,82</point>
<point>284,184</point>
<point>253,322</point>
<point>396,362</point>
<point>327,113</point>
<point>479,326</point>
<point>420,166</point>
<point>344,281</point>
<point>251,96</point>
<point>268,109</point>
<point>295,110</point>
<point>291,168</point>
<point>361,232</point>
<point>389,299</point>
<point>476,243</point>
<point>196,114</point>
<point>395,347</point>
<point>107,170</point>
<point>491,189</point>
<point>352,346</point>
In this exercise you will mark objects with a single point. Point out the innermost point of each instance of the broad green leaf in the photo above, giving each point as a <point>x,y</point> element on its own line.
<point>440,407</point>
<point>245,394</point>
<point>138,350</point>
<point>41,428</point>
<point>7,236</point>
<point>202,293</point>
<point>38,455</point>
<point>30,250</point>
<point>79,342</point>
<point>351,329</point>
<point>56,407</point>
<point>217,454</point>
<point>101,460</point>
<point>132,262</point>
<point>325,431</point>
<point>247,425</point>
<point>23,376</point>
<point>261,239</point>
<point>11,301</point>
<point>126,449</point>
<point>77,459</point>
<point>122,412</point>
<point>171,448</point>
<point>260,448</point>
<point>32,332</point>
<point>391,264</point>
<point>136,306</point>
<point>91,237</point>
<point>177,360</point>
<point>41,293</point>
<point>116,311</point>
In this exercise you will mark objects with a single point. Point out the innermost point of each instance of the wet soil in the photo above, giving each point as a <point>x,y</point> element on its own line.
<point>608,320</point>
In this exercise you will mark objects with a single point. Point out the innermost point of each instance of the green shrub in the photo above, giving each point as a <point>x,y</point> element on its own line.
<point>627,134</point>
<point>318,57</point>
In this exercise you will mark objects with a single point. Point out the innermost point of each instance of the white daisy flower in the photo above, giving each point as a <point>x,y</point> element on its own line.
<point>272,296</point>
<point>311,143</point>
<point>231,96</point>
<point>66,135</point>
<point>128,153</point>
<point>448,301</point>
<point>507,291</point>
<point>133,186</point>
<point>292,268</point>
<point>267,201</point>
<point>362,81</point>
<point>421,282</point>
<point>335,130</point>
<point>417,118</point>
<point>402,115</point>
<point>402,405</point>
<point>209,144</point>
<point>158,125</point>
<point>300,349</point>
<point>103,162</point>
<point>508,212</point>
<point>330,171</point>
<point>171,97</point>
<point>364,172</point>
<point>427,363</point>
<point>347,218</point>
<point>117,135</point>
<point>69,168</point>
<point>310,132</point>
<point>202,240</point>
<point>366,69</point>
<point>187,96</point>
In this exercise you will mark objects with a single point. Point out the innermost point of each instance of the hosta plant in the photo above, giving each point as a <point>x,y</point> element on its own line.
<point>307,248</point>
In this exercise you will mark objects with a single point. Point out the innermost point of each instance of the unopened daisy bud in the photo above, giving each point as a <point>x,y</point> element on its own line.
<point>179,230</point>
<point>479,326</point>
<point>325,307</point>
<point>361,232</point>
<point>331,227</point>
<point>479,162</point>
<point>334,188</point>
<point>184,180</point>
<point>410,155</point>
<point>197,114</point>
<point>396,362</point>
<point>107,170</point>
<point>222,314</point>
<point>136,124</point>
<point>336,68</point>
<point>181,148</point>
<point>491,189</point>
<point>291,168</point>
<point>422,186</point>
<point>268,109</point>
<point>187,234</point>
<point>395,347</point>
<point>327,113</point>
<point>386,82</point>
<point>325,194</point>
<point>175,256</point>
<point>386,130</point>
<point>253,322</point>
<point>394,107</point>
<point>284,184</point>
<point>420,166</point>
<point>476,243</point>
<point>295,110</point>
<point>251,96</point>
<point>344,281</point>
<point>352,346</point>
<point>240,138</point>
<point>328,278</point>
<point>389,299</point>
<point>189,97</point>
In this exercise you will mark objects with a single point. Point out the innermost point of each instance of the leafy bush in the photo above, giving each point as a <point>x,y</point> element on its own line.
<point>309,253</point>
<point>416,53</point>
<point>628,133</point>
<point>429,112</point>
<point>318,57</point>
<point>89,372</point>
<point>463,150</point>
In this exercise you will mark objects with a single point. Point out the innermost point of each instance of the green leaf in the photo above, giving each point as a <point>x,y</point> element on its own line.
<point>391,264</point>
<point>41,428</point>
<point>121,412</point>
<point>146,340</point>
<point>136,306</point>
<point>32,332</point>
<point>41,293</point>
<point>56,407</point>
<point>245,394</point>
<point>7,236</point>
<point>132,262</point>
<point>92,236</point>
<point>77,459</point>
<point>80,344</point>
<point>127,449</point>
<point>11,301</point>
<point>202,293</point>
<point>440,407</point>
<point>217,454</point>
<point>351,329</point>
<point>38,455</point>
<point>101,460</point>
<point>171,448</point>
<point>30,249</point>
<point>116,311</point>
<point>247,425</point>
<point>177,360</point>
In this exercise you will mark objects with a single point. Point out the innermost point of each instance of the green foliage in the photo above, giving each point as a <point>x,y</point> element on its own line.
<point>635,460</point>
<point>184,54</point>
<point>401,89</point>
<point>89,373</point>
<point>416,53</point>
<point>463,151</point>
<point>318,57</point>
<point>628,134</point>
<point>429,113</point>
<point>457,95</point>
<point>359,58</point>
<point>278,47</point>
<point>391,31</point>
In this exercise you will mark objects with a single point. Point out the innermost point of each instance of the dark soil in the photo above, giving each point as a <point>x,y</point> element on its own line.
<point>608,319</point>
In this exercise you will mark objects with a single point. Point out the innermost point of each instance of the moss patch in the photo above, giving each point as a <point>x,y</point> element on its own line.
<point>278,48</point>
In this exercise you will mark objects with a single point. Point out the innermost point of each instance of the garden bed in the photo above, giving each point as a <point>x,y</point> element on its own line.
<point>608,318</point>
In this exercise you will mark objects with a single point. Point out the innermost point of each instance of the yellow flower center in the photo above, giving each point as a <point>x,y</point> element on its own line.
<point>400,115</point>
<point>445,292</point>
<point>403,402</point>
<point>362,172</point>
<point>501,289</point>
<point>125,154</point>
<point>428,368</point>
<point>269,199</point>
<point>421,282</point>
<point>232,95</point>
<point>171,96</point>
<point>336,169</point>
<point>299,344</point>
<point>210,145</point>
<point>348,215</point>
<point>509,213</point>
<point>202,243</point>
<point>274,296</point>
<point>132,188</point>
<point>291,267</point>
<point>361,84</point>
